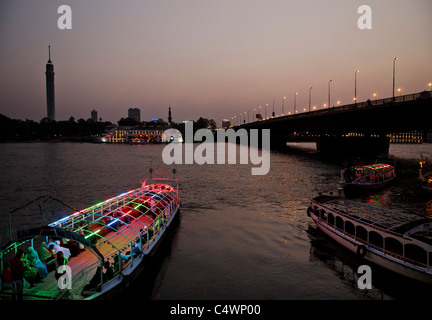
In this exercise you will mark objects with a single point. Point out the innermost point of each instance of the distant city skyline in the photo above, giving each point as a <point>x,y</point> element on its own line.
<point>212,59</point>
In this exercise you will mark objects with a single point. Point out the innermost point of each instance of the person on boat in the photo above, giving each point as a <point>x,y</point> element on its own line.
<point>17,275</point>
<point>44,254</point>
<point>33,258</point>
<point>60,261</point>
<point>95,282</point>
<point>117,263</point>
<point>137,248</point>
<point>109,271</point>
<point>57,248</point>
<point>52,250</point>
<point>31,274</point>
<point>73,246</point>
<point>6,275</point>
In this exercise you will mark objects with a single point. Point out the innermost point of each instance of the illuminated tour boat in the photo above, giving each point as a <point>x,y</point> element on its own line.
<point>106,246</point>
<point>396,241</point>
<point>367,177</point>
<point>425,175</point>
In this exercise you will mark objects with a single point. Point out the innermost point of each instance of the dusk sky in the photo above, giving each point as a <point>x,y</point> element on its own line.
<point>207,58</point>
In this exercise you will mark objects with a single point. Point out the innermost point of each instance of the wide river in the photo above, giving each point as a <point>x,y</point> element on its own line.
<point>240,236</point>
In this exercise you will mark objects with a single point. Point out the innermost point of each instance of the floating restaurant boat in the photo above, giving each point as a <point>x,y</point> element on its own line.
<point>425,175</point>
<point>396,241</point>
<point>108,244</point>
<point>367,177</point>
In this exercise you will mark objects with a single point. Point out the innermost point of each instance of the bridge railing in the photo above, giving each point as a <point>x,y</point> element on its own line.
<point>368,103</point>
<point>407,97</point>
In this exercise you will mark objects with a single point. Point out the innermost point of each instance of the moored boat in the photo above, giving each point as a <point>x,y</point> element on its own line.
<point>396,241</point>
<point>367,177</point>
<point>425,175</point>
<point>107,245</point>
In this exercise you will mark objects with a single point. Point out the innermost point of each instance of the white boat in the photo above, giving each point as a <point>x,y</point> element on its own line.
<point>367,177</point>
<point>425,175</point>
<point>125,231</point>
<point>396,241</point>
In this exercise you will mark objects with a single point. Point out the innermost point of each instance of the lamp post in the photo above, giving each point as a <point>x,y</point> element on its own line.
<point>394,71</point>
<point>355,86</point>
<point>273,114</point>
<point>295,96</point>
<point>266,110</point>
<point>329,93</point>
<point>283,103</point>
<point>310,90</point>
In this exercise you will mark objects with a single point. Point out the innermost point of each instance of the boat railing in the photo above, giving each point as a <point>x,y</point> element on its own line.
<point>162,216</point>
<point>78,281</point>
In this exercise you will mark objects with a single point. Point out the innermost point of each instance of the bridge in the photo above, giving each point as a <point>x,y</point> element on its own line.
<point>358,129</point>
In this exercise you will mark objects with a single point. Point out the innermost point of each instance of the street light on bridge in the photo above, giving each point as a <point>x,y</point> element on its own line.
<point>295,98</point>
<point>355,85</point>
<point>329,93</point>
<point>310,92</point>
<point>394,67</point>
<point>283,105</point>
<point>273,114</point>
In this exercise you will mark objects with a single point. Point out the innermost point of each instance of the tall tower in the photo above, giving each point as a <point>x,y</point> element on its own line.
<point>50,87</point>
<point>169,115</point>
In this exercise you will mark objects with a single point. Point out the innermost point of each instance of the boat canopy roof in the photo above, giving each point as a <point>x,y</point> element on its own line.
<point>377,167</point>
<point>381,218</point>
<point>122,212</point>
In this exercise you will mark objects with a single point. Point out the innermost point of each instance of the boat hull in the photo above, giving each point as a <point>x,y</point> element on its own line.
<point>372,255</point>
<point>140,265</point>
<point>125,231</point>
<point>349,187</point>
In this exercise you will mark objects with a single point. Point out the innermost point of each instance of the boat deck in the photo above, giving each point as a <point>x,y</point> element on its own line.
<point>368,214</point>
<point>116,230</point>
<point>86,260</point>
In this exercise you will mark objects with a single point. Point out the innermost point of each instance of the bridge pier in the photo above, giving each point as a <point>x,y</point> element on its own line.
<point>353,146</point>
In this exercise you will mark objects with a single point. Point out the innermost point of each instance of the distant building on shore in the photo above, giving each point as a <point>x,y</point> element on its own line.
<point>135,114</point>
<point>226,123</point>
<point>49,73</point>
<point>94,115</point>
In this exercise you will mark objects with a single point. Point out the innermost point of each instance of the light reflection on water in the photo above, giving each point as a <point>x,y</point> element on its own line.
<point>240,236</point>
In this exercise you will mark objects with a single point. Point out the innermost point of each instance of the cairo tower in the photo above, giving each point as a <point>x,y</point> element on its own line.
<point>50,87</point>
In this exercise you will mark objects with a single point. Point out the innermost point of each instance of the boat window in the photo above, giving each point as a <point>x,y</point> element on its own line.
<point>393,246</point>
<point>361,233</point>
<point>376,239</point>
<point>415,254</point>
<point>330,219</point>
<point>339,223</point>
<point>349,228</point>
<point>323,215</point>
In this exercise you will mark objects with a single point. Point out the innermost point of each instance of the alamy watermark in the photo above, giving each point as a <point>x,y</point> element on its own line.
<point>365,20</point>
<point>65,279</point>
<point>205,152</point>
<point>365,280</point>
<point>65,20</point>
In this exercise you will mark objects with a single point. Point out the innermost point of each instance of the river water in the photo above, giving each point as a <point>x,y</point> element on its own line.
<point>239,237</point>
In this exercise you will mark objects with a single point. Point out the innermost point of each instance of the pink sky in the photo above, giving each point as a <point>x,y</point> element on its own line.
<point>207,58</point>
